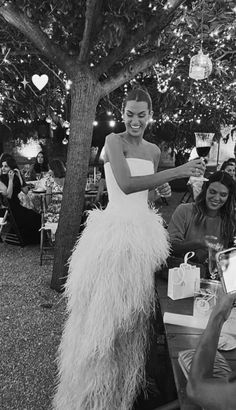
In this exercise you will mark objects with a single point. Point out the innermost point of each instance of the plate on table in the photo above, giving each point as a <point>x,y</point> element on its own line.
<point>226,342</point>
<point>39,191</point>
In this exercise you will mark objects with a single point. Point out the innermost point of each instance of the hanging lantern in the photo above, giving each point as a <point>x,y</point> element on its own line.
<point>66,124</point>
<point>200,66</point>
<point>65,141</point>
<point>53,126</point>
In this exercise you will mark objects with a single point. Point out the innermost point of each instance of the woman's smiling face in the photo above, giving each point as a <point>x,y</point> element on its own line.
<point>230,169</point>
<point>40,158</point>
<point>5,168</point>
<point>136,117</point>
<point>216,196</point>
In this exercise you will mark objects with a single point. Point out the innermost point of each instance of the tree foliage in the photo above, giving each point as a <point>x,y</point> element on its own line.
<point>177,98</point>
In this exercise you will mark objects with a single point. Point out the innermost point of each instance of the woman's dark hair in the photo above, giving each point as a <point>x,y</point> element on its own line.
<point>138,94</point>
<point>231,160</point>
<point>225,164</point>
<point>11,162</point>
<point>58,168</point>
<point>227,211</point>
<point>38,168</point>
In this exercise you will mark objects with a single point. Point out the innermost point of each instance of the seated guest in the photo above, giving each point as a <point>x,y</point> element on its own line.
<point>211,214</point>
<point>40,165</point>
<point>58,171</point>
<point>232,160</point>
<point>27,220</point>
<point>100,197</point>
<point>54,190</point>
<point>228,167</point>
<point>25,171</point>
<point>205,390</point>
<point>3,156</point>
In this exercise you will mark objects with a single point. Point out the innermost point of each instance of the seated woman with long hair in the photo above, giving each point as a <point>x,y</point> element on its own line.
<point>28,221</point>
<point>229,167</point>
<point>213,213</point>
<point>59,171</point>
<point>40,166</point>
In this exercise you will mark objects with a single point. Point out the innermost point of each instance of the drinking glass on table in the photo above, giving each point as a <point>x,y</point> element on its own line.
<point>38,177</point>
<point>214,246</point>
<point>205,297</point>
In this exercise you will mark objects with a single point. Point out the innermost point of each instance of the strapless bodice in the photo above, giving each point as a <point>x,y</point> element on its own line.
<point>138,167</point>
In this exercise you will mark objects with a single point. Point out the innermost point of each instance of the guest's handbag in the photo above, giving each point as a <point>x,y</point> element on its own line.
<point>221,368</point>
<point>183,280</point>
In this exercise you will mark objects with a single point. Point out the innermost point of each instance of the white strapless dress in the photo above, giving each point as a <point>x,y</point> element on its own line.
<point>111,296</point>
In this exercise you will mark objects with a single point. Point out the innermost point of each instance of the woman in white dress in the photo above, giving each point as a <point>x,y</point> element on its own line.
<point>110,288</point>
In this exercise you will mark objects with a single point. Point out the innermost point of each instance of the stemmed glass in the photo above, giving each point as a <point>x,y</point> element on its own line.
<point>203,145</point>
<point>38,177</point>
<point>214,246</point>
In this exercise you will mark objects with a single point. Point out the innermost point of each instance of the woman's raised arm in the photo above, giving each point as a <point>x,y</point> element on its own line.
<point>115,155</point>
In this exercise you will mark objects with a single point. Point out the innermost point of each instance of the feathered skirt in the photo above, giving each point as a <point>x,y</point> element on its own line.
<point>110,298</point>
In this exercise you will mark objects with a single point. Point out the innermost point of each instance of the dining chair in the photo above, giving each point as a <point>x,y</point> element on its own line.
<point>3,219</point>
<point>9,230</point>
<point>188,195</point>
<point>51,204</point>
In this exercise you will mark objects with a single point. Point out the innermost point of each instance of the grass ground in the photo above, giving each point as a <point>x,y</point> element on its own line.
<point>32,315</point>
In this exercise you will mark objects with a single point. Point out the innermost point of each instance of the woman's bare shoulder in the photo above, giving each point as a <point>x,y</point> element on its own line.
<point>153,151</point>
<point>3,188</point>
<point>118,138</point>
<point>112,141</point>
<point>153,147</point>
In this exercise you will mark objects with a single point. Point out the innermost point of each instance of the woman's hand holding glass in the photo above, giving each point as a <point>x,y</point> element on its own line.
<point>194,168</point>
<point>164,190</point>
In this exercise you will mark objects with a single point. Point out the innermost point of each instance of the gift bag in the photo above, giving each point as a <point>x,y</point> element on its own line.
<point>183,280</point>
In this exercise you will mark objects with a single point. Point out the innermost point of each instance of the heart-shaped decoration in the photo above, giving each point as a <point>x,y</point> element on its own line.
<point>40,81</point>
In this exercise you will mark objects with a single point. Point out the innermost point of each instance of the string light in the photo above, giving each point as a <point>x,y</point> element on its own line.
<point>65,141</point>
<point>216,95</point>
<point>112,123</point>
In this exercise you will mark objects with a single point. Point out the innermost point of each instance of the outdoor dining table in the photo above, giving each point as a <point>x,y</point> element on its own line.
<point>182,338</point>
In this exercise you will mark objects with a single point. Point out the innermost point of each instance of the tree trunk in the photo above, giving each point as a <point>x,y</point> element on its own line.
<point>85,94</point>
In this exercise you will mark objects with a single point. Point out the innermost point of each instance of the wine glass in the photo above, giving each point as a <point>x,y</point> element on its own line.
<point>214,246</point>
<point>38,177</point>
<point>203,145</point>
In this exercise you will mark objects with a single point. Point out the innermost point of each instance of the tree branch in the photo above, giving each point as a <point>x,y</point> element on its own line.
<point>225,54</point>
<point>16,18</point>
<point>92,8</point>
<point>129,71</point>
<point>158,23</point>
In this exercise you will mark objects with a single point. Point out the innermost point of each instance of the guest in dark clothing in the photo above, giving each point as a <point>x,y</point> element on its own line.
<point>28,221</point>
<point>101,197</point>
<point>229,167</point>
<point>40,165</point>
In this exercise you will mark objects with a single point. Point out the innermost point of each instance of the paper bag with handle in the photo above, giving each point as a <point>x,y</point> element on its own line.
<point>183,280</point>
